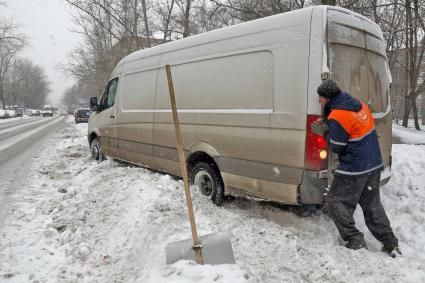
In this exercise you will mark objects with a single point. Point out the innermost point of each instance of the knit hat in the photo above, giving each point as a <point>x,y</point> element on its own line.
<point>328,89</point>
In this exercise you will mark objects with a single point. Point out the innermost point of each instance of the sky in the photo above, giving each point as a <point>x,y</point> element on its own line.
<point>50,30</point>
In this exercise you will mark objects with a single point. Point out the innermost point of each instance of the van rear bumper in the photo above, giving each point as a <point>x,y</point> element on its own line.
<point>313,189</point>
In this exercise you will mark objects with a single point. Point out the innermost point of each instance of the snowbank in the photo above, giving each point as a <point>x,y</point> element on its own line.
<point>79,220</point>
<point>409,135</point>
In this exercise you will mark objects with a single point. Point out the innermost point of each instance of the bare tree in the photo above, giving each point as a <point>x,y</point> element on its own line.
<point>186,18</point>
<point>164,18</point>
<point>25,84</point>
<point>415,48</point>
<point>254,9</point>
<point>145,18</point>
<point>10,44</point>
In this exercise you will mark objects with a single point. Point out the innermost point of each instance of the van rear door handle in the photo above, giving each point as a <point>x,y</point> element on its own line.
<point>112,116</point>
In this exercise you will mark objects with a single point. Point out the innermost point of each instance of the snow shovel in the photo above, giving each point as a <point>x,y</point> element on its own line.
<point>213,248</point>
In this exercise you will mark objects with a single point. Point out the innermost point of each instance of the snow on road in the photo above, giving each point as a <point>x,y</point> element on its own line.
<point>76,220</point>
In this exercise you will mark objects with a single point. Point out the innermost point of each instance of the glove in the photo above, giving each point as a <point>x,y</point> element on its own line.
<point>319,128</point>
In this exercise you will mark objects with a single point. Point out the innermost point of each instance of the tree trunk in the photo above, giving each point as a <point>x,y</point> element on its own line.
<point>168,21</point>
<point>406,111</point>
<point>186,19</point>
<point>2,97</point>
<point>415,112</point>
<point>145,18</point>
<point>423,108</point>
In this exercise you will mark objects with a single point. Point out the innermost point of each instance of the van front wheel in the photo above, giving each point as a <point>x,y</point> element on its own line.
<point>207,178</point>
<point>96,152</point>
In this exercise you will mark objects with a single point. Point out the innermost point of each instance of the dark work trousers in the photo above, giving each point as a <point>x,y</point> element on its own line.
<point>343,197</point>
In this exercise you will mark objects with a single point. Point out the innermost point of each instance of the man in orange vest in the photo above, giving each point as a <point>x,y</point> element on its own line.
<point>348,127</point>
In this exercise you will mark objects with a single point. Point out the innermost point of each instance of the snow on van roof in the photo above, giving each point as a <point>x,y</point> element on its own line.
<point>349,12</point>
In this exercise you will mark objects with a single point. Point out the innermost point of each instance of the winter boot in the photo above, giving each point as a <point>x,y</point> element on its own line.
<point>356,244</point>
<point>392,251</point>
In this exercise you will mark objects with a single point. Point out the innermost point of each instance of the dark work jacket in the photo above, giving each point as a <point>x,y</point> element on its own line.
<point>352,136</point>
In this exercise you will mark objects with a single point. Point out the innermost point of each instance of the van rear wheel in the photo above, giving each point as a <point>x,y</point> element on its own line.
<point>96,151</point>
<point>207,178</point>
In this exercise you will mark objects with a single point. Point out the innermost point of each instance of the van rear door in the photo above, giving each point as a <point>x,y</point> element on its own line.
<point>358,63</point>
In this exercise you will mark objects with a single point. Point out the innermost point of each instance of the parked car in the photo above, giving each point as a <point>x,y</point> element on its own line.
<point>19,111</point>
<point>82,115</point>
<point>28,113</point>
<point>3,114</point>
<point>12,113</point>
<point>47,110</point>
<point>247,98</point>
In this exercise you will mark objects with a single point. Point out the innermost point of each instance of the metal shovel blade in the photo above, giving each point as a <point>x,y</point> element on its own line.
<point>216,249</point>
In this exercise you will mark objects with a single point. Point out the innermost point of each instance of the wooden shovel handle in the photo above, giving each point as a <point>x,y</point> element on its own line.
<point>183,168</point>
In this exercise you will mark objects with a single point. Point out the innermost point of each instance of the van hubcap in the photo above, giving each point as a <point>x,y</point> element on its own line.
<point>204,182</point>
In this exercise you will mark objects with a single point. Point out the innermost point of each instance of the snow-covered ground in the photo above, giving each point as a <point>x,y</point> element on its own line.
<point>409,135</point>
<point>76,220</point>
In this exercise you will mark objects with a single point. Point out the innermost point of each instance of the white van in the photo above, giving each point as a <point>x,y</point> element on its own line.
<point>246,97</point>
<point>47,110</point>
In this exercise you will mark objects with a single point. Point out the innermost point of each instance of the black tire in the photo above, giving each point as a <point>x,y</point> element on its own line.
<point>207,177</point>
<point>96,151</point>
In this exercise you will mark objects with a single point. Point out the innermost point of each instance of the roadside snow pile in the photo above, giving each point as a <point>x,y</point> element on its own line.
<point>409,135</point>
<point>79,220</point>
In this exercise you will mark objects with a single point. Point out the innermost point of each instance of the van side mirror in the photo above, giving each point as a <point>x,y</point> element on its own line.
<point>93,104</point>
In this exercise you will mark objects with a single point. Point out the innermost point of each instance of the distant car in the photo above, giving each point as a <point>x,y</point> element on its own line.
<point>31,113</point>
<point>28,112</point>
<point>3,114</point>
<point>12,113</point>
<point>82,115</point>
<point>19,111</point>
<point>47,110</point>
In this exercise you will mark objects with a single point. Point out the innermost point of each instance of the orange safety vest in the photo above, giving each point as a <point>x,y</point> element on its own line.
<point>356,124</point>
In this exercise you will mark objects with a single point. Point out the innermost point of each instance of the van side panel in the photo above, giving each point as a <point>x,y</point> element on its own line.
<point>135,118</point>
<point>246,97</point>
<point>242,81</point>
<point>217,99</point>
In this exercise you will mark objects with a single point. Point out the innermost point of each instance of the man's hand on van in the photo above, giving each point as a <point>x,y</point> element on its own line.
<point>319,128</point>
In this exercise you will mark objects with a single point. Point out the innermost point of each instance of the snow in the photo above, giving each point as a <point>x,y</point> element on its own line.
<point>77,220</point>
<point>409,135</point>
<point>4,121</point>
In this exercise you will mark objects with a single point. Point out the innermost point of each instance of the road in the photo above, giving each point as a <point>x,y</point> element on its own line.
<point>20,140</point>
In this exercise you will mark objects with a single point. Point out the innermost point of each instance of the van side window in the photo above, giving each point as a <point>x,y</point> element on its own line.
<point>112,92</point>
<point>108,97</point>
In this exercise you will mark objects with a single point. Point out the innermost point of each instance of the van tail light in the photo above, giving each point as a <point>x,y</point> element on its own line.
<point>316,147</point>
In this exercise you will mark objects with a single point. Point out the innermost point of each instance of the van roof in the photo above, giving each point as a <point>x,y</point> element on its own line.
<point>254,26</point>
<point>258,25</point>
